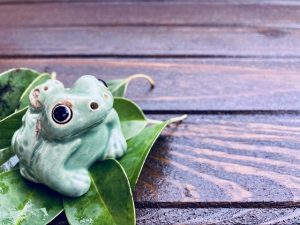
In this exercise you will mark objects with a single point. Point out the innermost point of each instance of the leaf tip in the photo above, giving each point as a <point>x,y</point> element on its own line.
<point>177,119</point>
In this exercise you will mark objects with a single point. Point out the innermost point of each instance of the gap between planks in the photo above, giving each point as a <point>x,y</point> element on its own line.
<point>153,56</point>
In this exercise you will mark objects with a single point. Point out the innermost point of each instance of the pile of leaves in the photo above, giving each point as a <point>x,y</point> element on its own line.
<point>109,200</point>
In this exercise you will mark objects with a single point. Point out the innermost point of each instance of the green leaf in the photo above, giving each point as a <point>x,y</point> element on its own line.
<point>9,125</point>
<point>132,118</point>
<point>24,99</point>
<point>12,84</point>
<point>118,87</point>
<point>138,149</point>
<point>26,203</point>
<point>109,200</point>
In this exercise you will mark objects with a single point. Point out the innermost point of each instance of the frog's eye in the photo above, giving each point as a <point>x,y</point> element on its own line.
<point>94,105</point>
<point>104,83</point>
<point>61,114</point>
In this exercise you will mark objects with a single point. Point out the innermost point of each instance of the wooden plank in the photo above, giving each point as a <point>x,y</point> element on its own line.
<point>255,154</point>
<point>204,13</point>
<point>218,216</point>
<point>224,160</point>
<point>214,2</point>
<point>189,84</point>
<point>150,41</point>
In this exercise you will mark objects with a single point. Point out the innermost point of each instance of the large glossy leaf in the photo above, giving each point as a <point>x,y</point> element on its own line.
<point>109,200</point>
<point>9,125</point>
<point>119,87</point>
<point>24,99</point>
<point>138,149</point>
<point>12,84</point>
<point>132,118</point>
<point>26,203</point>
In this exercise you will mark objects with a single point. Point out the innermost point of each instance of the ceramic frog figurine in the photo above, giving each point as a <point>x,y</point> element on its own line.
<point>66,130</point>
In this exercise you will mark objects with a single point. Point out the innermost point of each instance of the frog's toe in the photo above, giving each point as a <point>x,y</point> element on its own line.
<point>82,179</point>
<point>81,182</point>
<point>117,149</point>
<point>114,153</point>
<point>71,183</point>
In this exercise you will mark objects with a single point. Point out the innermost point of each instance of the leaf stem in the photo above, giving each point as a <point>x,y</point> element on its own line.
<point>53,75</point>
<point>148,78</point>
<point>150,121</point>
<point>172,120</point>
<point>177,119</point>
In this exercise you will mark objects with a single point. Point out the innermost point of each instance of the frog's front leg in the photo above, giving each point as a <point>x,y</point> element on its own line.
<point>67,180</point>
<point>117,145</point>
<point>72,182</point>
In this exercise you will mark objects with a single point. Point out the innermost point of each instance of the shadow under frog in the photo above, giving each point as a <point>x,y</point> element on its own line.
<point>66,130</point>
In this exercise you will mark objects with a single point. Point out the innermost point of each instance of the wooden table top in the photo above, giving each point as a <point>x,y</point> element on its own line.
<point>232,66</point>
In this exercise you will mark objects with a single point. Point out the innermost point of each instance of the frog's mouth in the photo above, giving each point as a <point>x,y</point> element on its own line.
<point>85,129</point>
<point>75,134</point>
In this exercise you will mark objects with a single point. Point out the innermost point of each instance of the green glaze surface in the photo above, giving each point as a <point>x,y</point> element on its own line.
<point>58,154</point>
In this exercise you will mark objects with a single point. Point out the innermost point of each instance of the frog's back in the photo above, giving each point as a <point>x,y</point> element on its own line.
<point>26,140</point>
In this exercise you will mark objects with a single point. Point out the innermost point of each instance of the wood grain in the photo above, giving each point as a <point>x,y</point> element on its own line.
<point>189,84</point>
<point>214,160</point>
<point>150,41</point>
<point>188,13</point>
<point>240,2</point>
<point>222,62</point>
<point>218,216</point>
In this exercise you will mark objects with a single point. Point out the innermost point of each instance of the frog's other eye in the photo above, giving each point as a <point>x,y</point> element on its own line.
<point>94,105</point>
<point>61,114</point>
<point>104,83</point>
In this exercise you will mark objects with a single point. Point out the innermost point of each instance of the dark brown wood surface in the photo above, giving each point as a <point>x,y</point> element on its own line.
<point>232,66</point>
<point>150,28</point>
<point>188,13</point>
<point>216,216</point>
<point>219,216</point>
<point>189,85</point>
<point>150,41</point>
<point>220,160</point>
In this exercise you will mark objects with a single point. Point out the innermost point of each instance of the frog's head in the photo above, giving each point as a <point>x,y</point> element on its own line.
<point>66,112</point>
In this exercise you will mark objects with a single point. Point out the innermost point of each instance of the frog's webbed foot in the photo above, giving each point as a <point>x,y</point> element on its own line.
<point>117,145</point>
<point>79,182</point>
<point>72,183</point>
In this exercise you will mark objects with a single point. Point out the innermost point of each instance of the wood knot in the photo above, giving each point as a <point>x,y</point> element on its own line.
<point>273,33</point>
